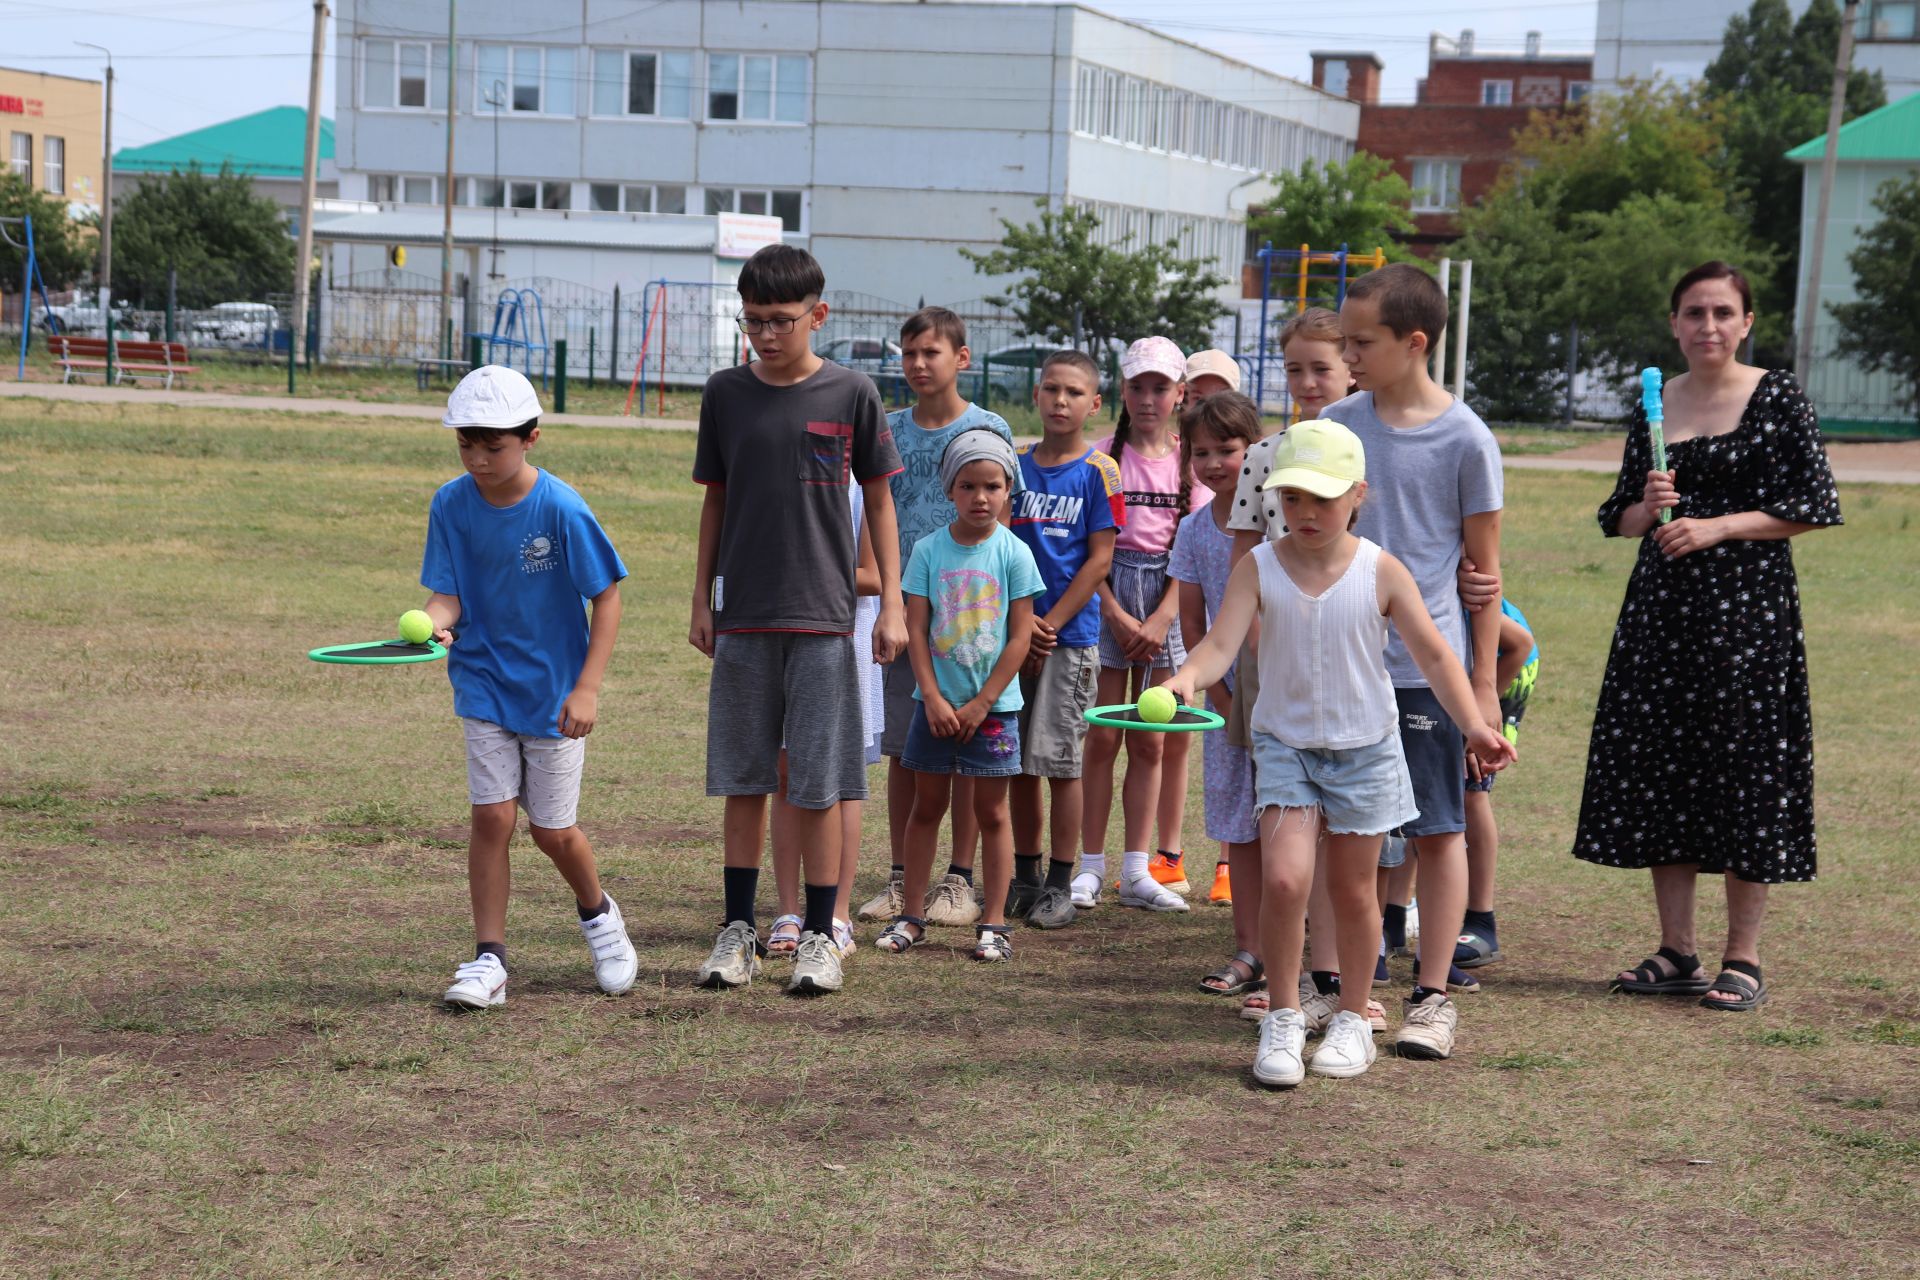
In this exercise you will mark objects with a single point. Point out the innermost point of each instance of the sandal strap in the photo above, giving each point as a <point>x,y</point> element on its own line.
<point>1682,965</point>
<point>1742,967</point>
<point>1728,979</point>
<point>1252,962</point>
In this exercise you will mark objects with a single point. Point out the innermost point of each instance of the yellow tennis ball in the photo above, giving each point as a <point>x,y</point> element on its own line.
<point>415,626</point>
<point>1157,705</point>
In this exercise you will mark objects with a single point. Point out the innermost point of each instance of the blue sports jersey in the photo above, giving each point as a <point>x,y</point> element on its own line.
<point>1056,511</point>
<point>522,574</point>
<point>1506,607</point>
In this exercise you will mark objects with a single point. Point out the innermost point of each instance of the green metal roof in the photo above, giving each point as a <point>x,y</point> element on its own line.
<point>266,144</point>
<point>1891,133</point>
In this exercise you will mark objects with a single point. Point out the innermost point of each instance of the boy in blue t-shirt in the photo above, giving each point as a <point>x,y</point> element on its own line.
<point>1068,515</point>
<point>511,554</point>
<point>933,353</point>
<point>969,591</point>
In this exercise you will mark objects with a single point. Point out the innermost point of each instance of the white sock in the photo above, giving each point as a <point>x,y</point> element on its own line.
<point>1133,865</point>
<point>1094,864</point>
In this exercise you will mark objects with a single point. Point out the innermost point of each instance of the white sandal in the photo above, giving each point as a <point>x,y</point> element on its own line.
<point>784,938</point>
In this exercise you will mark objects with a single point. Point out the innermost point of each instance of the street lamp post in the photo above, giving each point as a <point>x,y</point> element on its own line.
<point>106,192</point>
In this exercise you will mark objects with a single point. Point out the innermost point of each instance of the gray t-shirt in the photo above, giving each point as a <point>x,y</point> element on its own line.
<point>786,456</point>
<point>1422,484</point>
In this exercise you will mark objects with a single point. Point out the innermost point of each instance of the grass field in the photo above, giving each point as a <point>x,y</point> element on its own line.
<point>234,888</point>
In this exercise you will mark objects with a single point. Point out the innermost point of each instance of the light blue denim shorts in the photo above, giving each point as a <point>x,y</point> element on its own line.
<point>1361,791</point>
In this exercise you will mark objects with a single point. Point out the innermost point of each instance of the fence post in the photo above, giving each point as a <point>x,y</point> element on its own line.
<point>1113,385</point>
<point>292,363</point>
<point>559,375</point>
<point>591,358</point>
<point>173,282</point>
<point>1030,368</point>
<point>110,346</point>
<point>613,343</point>
<point>1573,369</point>
<point>473,351</point>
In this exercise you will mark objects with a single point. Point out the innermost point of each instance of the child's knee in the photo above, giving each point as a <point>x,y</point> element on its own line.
<point>493,819</point>
<point>1146,748</point>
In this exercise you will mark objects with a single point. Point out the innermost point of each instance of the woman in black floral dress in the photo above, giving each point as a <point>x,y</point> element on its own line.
<point>1702,749</point>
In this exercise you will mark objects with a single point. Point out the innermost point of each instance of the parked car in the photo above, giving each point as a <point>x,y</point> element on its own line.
<point>235,324</point>
<point>1007,366</point>
<point>873,355</point>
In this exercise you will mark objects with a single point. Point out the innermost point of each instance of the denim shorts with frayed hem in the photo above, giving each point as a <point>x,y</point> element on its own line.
<point>1361,791</point>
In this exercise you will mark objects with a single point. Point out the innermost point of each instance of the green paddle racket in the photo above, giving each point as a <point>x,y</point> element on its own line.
<point>380,653</point>
<point>1126,715</point>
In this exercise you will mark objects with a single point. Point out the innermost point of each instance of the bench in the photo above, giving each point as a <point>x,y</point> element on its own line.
<point>424,371</point>
<point>158,361</point>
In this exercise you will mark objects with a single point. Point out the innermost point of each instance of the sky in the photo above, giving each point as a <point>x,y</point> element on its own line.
<point>185,64</point>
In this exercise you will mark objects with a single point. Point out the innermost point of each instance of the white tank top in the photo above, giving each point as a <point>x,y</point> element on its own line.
<point>1323,669</point>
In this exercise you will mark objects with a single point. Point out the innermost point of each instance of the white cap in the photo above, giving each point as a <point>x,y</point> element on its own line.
<point>492,396</point>
<point>1214,363</point>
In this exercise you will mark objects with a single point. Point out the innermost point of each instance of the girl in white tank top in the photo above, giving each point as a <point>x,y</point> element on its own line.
<point>1325,729</point>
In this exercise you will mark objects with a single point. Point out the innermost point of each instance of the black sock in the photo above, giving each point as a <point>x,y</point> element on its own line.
<point>1325,982</point>
<point>1026,870</point>
<point>498,950</point>
<point>965,873</point>
<point>1394,925</point>
<point>588,913</point>
<point>1482,920</point>
<point>819,909</point>
<point>741,884</point>
<point>1059,873</point>
<point>1172,856</point>
<point>1421,993</point>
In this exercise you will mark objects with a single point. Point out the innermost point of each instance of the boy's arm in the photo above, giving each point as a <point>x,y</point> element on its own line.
<point>890,630</point>
<point>713,511</point>
<point>1085,581</point>
<point>1209,660</point>
<point>866,573</point>
<point>1005,668</point>
<point>1400,600</point>
<point>1516,642</point>
<point>1482,538</point>
<point>582,707</point>
<point>445,612</point>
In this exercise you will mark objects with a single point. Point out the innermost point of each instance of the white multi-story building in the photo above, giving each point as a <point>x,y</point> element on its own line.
<point>1644,39</point>
<point>884,135</point>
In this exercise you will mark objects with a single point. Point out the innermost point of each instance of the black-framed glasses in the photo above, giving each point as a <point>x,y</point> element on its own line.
<point>778,324</point>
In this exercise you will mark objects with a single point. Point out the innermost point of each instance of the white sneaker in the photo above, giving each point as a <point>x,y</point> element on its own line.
<point>816,965</point>
<point>888,903</point>
<point>480,983</point>
<point>1283,1035</point>
<point>614,963</point>
<point>735,957</point>
<point>1427,1029</point>
<point>951,902</point>
<point>1148,894</point>
<point>1317,1009</point>
<point>1348,1049</point>
<point>1085,890</point>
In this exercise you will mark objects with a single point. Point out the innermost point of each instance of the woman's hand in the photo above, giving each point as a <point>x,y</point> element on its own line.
<point>1687,535</point>
<point>1660,493</point>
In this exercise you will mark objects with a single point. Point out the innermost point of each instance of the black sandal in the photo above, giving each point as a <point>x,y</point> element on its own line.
<point>895,939</point>
<point>1232,984</point>
<point>1665,973</point>
<point>1752,994</point>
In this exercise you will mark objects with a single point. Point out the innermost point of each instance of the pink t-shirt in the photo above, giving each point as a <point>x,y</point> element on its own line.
<point>1152,489</point>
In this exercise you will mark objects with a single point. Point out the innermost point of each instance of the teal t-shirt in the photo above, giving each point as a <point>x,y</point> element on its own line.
<point>970,590</point>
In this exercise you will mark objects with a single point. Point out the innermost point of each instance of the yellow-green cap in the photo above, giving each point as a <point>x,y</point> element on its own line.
<point>1320,456</point>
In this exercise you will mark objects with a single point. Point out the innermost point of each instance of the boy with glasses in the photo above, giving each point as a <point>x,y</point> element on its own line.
<point>773,601</point>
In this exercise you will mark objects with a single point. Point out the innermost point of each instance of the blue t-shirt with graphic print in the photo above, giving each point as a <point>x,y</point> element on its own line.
<point>920,505</point>
<point>523,574</point>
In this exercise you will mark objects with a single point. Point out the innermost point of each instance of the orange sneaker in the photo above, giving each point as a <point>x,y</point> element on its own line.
<point>1222,893</point>
<point>1169,874</point>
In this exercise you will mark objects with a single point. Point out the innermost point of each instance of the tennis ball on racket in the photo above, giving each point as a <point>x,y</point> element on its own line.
<point>1157,706</point>
<point>415,626</point>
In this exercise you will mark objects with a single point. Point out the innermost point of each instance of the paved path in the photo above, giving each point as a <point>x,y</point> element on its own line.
<point>1870,473</point>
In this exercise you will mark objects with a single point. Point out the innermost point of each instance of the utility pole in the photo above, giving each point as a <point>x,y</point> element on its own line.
<point>303,259</point>
<point>446,233</point>
<point>1809,316</point>
<point>106,194</point>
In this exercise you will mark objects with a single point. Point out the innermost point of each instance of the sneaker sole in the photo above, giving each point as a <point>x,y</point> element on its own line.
<point>1051,924</point>
<point>1410,1049</point>
<point>716,980</point>
<point>1145,904</point>
<point>1478,962</point>
<point>623,988</point>
<point>1292,1083</point>
<point>1180,887</point>
<point>810,986</point>
<point>1340,1073</point>
<point>455,1002</point>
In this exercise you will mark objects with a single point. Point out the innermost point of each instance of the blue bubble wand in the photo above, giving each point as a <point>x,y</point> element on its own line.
<point>1656,416</point>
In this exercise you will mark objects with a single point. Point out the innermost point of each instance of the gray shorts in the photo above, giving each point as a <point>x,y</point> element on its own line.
<point>1139,581</point>
<point>1053,726</point>
<point>774,687</point>
<point>897,688</point>
<point>543,774</point>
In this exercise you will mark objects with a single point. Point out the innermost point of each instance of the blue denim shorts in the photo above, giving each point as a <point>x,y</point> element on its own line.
<point>1362,791</point>
<point>992,752</point>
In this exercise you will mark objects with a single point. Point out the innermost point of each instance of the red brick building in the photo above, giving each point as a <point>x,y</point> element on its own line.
<point>1452,141</point>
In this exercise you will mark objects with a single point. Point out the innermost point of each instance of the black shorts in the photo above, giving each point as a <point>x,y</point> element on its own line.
<point>1436,760</point>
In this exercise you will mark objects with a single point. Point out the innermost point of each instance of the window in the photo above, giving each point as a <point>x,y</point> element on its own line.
<point>403,75</point>
<point>613,197</point>
<point>402,188</point>
<point>539,195</point>
<point>1086,98</point>
<point>534,79</point>
<point>1496,93</point>
<point>53,165</point>
<point>756,88</point>
<point>787,206</point>
<point>1334,78</point>
<point>1578,91</point>
<point>629,82</point>
<point>20,158</point>
<point>1887,20</point>
<point>418,191</point>
<point>1436,186</point>
<point>487,193</point>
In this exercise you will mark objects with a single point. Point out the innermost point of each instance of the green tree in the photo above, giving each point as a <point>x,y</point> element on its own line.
<point>1518,366</point>
<point>225,243</point>
<point>1772,82</point>
<point>66,255</point>
<point>1359,202</point>
<point>1882,329</point>
<point>1116,293</point>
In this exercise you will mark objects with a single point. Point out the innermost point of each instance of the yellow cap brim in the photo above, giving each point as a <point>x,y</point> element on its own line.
<point>1318,483</point>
